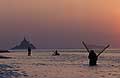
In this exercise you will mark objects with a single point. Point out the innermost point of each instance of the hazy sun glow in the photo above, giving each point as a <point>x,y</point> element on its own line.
<point>59,23</point>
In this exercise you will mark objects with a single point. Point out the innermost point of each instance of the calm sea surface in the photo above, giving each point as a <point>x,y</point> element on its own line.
<point>66,50</point>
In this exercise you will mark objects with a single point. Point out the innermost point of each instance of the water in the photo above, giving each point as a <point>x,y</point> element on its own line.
<point>66,50</point>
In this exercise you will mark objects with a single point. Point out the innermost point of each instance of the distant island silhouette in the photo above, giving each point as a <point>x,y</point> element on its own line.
<point>24,45</point>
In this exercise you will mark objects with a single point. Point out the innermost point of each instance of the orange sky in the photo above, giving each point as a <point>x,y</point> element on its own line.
<point>72,20</point>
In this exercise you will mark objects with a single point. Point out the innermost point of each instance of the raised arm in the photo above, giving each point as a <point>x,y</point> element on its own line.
<point>103,50</point>
<point>85,46</point>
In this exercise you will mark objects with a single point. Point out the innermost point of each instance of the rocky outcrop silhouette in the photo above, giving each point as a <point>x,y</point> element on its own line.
<point>24,45</point>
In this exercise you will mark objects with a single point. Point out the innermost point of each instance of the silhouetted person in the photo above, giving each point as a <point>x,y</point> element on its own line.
<point>56,53</point>
<point>92,58</point>
<point>29,51</point>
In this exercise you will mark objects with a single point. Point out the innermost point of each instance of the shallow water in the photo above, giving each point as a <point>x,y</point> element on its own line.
<point>67,65</point>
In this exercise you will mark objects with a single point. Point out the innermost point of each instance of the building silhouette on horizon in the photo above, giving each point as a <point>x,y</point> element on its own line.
<point>24,45</point>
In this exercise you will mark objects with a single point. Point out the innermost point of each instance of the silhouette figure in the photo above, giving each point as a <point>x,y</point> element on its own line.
<point>29,51</point>
<point>93,57</point>
<point>56,53</point>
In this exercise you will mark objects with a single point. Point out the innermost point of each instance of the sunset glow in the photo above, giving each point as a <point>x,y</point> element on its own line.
<point>60,23</point>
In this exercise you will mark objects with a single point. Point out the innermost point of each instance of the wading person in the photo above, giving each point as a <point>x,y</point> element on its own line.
<point>56,53</point>
<point>29,51</point>
<point>93,57</point>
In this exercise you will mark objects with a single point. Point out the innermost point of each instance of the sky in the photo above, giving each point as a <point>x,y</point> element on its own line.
<point>59,23</point>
